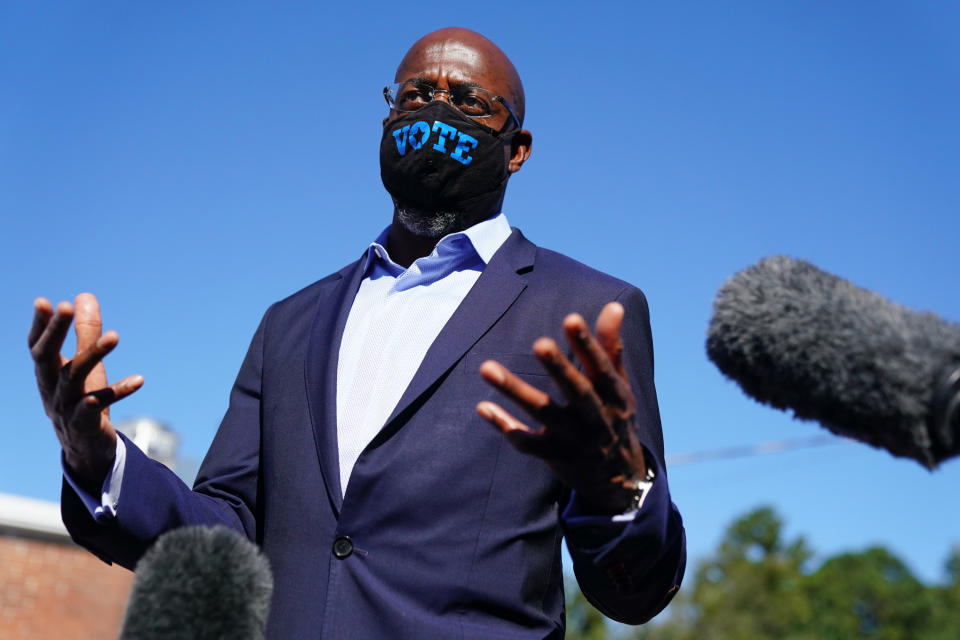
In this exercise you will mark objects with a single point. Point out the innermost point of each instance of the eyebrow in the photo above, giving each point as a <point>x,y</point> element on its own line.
<point>424,80</point>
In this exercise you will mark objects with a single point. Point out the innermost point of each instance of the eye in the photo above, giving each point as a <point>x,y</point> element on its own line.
<point>411,97</point>
<point>473,103</point>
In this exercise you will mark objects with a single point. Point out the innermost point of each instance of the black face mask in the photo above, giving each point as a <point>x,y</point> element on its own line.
<point>437,159</point>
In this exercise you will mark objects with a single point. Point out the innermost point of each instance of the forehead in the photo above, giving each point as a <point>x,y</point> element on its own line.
<point>454,62</point>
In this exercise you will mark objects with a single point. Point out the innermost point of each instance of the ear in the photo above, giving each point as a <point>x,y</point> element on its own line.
<point>391,115</point>
<point>519,150</point>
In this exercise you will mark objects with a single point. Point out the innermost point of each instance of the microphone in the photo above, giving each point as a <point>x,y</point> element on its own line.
<point>199,583</point>
<point>793,336</point>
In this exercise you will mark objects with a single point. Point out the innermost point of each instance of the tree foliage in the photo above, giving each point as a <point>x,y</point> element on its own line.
<point>583,621</point>
<point>758,586</point>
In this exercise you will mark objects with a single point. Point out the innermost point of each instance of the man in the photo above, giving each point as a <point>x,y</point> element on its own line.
<point>354,450</point>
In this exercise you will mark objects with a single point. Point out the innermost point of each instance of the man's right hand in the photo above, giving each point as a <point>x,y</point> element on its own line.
<point>75,392</point>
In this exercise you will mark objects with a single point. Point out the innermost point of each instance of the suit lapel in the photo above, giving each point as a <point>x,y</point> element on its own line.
<point>320,372</point>
<point>500,284</point>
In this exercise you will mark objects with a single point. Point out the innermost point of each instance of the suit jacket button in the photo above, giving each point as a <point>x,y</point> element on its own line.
<point>342,547</point>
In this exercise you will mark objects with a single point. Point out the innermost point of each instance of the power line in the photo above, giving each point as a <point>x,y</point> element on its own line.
<point>753,450</point>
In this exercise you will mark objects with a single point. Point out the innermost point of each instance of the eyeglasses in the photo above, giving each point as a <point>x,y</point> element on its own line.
<point>473,101</point>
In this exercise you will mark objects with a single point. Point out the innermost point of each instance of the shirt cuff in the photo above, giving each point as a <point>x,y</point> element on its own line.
<point>104,510</point>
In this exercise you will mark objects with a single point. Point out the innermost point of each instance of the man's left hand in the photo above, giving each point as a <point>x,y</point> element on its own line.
<point>590,442</point>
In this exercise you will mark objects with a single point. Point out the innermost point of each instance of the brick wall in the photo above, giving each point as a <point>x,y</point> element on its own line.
<point>58,591</point>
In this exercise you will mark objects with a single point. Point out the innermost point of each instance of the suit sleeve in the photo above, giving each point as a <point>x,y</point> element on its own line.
<point>630,570</point>
<point>154,500</point>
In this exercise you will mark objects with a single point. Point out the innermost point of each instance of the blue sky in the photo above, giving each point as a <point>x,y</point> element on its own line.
<point>192,164</point>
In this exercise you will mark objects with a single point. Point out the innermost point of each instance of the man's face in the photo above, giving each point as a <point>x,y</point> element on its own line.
<point>455,62</point>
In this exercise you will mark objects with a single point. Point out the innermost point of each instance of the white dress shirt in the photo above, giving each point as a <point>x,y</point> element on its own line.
<point>395,317</point>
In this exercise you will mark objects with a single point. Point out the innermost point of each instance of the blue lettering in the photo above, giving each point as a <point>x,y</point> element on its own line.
<point>444,130</point>
<point>465,144</point>
<point>400,135</point>
<point>424,129</point>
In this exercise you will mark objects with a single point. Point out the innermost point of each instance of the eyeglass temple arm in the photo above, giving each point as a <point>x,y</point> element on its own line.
<point>504,102</point>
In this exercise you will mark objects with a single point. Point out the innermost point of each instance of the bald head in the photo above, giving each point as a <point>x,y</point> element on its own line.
<point>457,56</point>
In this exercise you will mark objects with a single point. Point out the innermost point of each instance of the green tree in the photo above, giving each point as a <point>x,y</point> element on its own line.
<point>584,622</point>
<point>870,594</point>
<point>751,588</point>
<point>945,618</point>
<point>759,586</point>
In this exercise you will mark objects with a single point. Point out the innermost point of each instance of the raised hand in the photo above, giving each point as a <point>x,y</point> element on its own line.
<point>590,442</point>
<point>75,392</point>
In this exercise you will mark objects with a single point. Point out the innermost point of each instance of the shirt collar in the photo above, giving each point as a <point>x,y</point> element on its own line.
<point>485,237</point>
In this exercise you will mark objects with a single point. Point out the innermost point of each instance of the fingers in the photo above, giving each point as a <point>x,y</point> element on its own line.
<point>608,334</point>
<point>46,348</point>
<point>520,435</point>
<point>576,387</point>
<point>532,400</point>
<point>96,401</point>
<point>42,312</point>
<point>87,323</point>
<point>595,396</point>
<point>89,326</point>
<point>596,362</point>
<point>78,374</point>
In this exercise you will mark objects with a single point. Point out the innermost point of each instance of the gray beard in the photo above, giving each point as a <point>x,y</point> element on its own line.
<point>429,224</point>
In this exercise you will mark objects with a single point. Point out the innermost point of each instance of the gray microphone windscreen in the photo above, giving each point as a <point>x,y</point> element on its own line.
<point>199,583</point>
<point>796,337</point>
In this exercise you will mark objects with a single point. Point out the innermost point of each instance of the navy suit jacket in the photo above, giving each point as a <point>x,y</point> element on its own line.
<point>454,533</point>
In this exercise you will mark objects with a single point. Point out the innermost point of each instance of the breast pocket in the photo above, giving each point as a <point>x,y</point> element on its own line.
<point>522,364</point>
